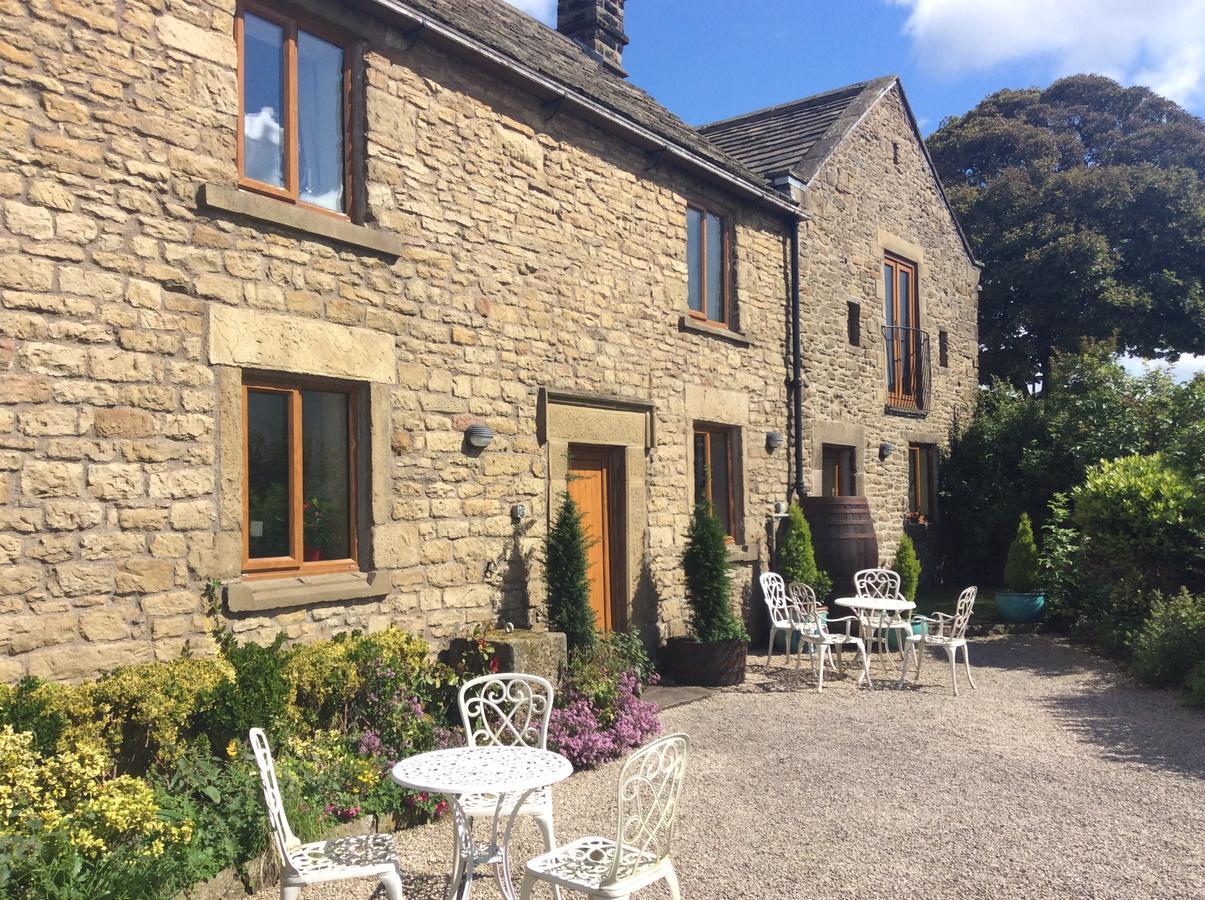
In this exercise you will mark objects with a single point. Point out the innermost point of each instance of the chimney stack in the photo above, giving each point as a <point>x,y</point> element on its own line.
<point>597,25</point>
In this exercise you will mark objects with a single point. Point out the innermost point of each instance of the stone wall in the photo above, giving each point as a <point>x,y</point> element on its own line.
<point>523,252</point>
<point>864,203</point>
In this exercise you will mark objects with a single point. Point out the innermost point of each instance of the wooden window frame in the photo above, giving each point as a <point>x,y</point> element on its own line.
<point>898,396</point>
<point>922,455</point>
<point>725,270</point>
<point>295,564</point>
<point>730,433</point>
<point>291,22</point>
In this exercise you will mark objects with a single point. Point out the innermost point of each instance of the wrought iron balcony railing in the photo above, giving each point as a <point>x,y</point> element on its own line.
<point>907,368</point>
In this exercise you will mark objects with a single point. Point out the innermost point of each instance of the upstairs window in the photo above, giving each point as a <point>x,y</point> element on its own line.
<point>299,477</point>
<point>294,85</point>
<point>714,476</point>
<point>707,265</point>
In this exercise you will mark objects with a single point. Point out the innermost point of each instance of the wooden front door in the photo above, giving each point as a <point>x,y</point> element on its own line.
<point>590,477</point>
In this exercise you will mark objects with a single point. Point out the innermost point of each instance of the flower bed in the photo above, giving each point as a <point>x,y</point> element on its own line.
<point>141,783</point>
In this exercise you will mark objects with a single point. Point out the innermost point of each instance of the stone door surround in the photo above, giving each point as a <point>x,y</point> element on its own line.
<point>565,418</point>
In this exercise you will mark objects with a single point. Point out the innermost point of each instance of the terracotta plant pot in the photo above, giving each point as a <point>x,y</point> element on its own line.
<point>710,664</point>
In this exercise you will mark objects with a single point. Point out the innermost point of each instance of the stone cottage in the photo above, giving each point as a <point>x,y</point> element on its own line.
<point>328,305</point>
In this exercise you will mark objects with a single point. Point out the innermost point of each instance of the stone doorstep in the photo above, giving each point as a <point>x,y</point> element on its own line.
<point>668,696</point>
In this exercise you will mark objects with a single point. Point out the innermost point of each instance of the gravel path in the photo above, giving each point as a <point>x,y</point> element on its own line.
<point>1057,778</point>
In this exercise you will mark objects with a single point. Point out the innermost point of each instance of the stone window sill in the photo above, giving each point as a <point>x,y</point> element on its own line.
<point>228,199</point>
<point>306,590</point>
<point>694,326</point>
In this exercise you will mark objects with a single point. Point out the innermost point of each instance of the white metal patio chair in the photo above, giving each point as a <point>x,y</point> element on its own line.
<point>360,856</point>
<point>815,633</point>
<point>509,709</point>
<point>950,636</point>
<point>882,584</point>
<point>778,604</point>
<point>650,785</point>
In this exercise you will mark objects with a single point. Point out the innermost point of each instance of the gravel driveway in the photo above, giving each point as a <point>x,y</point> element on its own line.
<point>1057,778</point>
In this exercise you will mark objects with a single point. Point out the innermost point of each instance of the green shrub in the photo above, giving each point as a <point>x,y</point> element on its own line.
<point>256,695</point>
<point>797,556</point>
<point>1021,568</point>
<point>907,566</point>
<point>709,580</point>
<point>1172,642</point>
<point>1196,685</point>
<point>569,607</point>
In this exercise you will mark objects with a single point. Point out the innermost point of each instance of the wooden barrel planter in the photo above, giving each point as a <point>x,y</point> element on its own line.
<point>844,538</point>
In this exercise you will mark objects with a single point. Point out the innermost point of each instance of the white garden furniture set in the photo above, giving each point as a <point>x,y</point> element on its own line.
<point>504,772</point>
<point>883,616</point>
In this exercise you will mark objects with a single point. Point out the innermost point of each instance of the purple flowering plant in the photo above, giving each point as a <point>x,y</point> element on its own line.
<point>599,713</point>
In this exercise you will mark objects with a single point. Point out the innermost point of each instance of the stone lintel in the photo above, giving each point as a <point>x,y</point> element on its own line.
<point>230,199</point>
<point>252,339</point>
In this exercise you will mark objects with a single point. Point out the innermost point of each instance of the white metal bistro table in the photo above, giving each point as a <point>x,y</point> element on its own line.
<point>870,612</point>
<point>510,772</point>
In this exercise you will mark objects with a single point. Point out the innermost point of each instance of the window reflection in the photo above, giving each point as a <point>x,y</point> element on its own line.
<point>325,475</point>
<point>320,121</point>
<point>268,462</point>
<point>263,100</point>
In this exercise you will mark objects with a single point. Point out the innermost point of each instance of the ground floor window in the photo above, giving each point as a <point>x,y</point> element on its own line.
<point>840,471</point>
<point>714,472</point>
<point>299,476</point>
<point>922,469</point>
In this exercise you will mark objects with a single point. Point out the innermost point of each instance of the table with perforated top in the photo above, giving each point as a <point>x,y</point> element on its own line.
<point>512,773</point>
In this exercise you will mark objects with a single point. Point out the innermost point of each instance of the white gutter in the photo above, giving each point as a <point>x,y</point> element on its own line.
<point>592,107</point>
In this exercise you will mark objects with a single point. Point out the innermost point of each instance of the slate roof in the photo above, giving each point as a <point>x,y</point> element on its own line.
<point>796,138</point>
<point>525,40</point>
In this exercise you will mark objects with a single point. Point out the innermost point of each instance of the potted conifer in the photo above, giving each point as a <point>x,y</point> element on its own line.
<point>714,654</point>
<point>797,561</point>
<point>1023,599</point>
<point>907,566</point>
<point>569,609</point>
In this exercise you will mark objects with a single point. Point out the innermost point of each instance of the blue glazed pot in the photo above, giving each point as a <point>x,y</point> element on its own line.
<point>1020,607</point>
<point>893,635</point>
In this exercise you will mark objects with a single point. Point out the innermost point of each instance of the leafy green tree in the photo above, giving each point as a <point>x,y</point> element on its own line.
<point>1085,203</point>
<point>1021,572</point>
<point>569,607</point>
<point>709,579</point>
<point>907,566</point>
<point>797,556</point>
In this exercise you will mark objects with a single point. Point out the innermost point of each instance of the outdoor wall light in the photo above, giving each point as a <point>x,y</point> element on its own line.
<point>780,508</point>
<point>885,450</point>
<point>479,436</point>
<point>774,440</point>
<point>518,511</point>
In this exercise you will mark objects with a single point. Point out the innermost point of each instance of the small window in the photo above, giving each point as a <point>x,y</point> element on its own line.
<point>294,89</point>
<point>922,469</point>
<point>853,323</point>
<point>707,265</point>
<point>714,475</point>
<point>943,349</point>
<point>839,471</point>
<point>299,477</point>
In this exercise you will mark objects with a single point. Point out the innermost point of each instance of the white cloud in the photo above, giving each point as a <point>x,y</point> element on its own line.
<point>1157,43</point>
<point>544,10</point>
<point>1183,369</point>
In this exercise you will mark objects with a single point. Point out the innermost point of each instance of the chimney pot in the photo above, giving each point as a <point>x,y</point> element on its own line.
<point>597,25</point>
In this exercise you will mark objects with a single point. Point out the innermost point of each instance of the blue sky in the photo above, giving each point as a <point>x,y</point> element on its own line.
<point>708,59</point>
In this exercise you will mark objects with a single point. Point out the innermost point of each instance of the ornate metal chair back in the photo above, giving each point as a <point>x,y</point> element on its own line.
<point>282,834</point>
<point>650,786</point>
<point>881,584</point>
<point>775,593</point>
<point>803,598</point>
<point>962,614</point>
<point>506,710</point>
